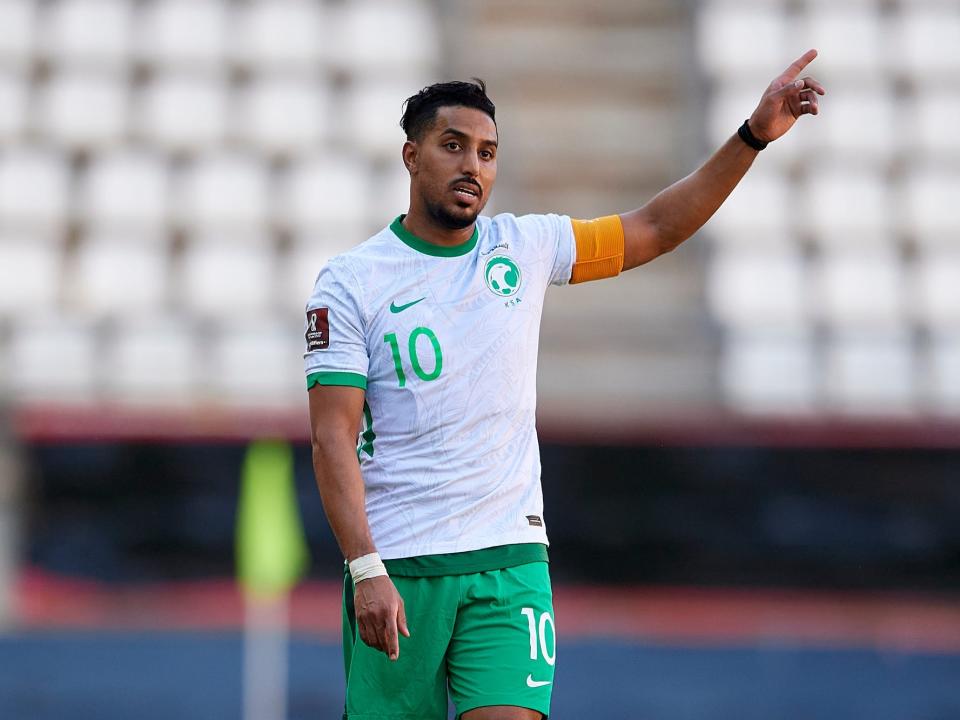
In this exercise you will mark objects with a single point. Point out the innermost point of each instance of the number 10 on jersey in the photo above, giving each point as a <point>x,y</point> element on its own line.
<point>391,339</point>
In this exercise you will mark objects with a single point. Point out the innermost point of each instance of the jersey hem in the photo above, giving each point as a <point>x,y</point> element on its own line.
<point>471,561</point>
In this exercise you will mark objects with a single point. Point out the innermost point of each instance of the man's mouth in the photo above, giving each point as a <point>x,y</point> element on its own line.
<point>466,191</point>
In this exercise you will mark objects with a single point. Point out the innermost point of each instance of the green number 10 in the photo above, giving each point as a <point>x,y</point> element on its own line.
<point>391,338</point>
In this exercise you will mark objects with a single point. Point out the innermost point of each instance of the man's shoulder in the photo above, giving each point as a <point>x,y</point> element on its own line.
<point>532,229</point>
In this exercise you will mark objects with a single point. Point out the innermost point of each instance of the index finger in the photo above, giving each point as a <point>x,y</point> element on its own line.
<point>392,639</point>
<point>797,66</point>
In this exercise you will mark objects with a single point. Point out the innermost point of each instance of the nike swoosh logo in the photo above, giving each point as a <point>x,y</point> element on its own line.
<point>394,308</point>
<point>536,683</point>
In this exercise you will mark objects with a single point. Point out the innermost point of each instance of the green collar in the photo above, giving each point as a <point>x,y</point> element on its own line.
<point>428,248</point>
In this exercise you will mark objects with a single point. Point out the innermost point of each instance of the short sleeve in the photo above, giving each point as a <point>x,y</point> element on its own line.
<point>554,235</point>
<point>336,348</point>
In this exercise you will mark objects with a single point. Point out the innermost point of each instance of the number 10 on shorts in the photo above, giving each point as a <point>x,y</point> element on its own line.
<point>538,635</point>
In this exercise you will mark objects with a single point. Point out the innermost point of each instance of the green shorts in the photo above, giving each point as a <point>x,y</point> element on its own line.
<point>489,635</point>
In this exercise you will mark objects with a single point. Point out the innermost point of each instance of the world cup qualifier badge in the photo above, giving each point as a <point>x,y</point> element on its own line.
<point>318,329</point>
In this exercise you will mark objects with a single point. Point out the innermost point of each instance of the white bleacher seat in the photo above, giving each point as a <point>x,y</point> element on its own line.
<point>280,35</point>
<point>771,372</point>
<point>371,116</point>
<point>184,34</point>
<point>116,275</point>
<point>373,36</point>
<point>927,40</point>
<point>742,39</point>
<point>257,361</point>
<point>126,189</point>
<point>299,266</point>
<point>90,33</point>
<point>861,288</point>
<point>29,274</point>
<point>14,98</point>
<point>84,110</point>
<point>17,32</point>
<point>223,192</point>
<point>226,278</point>
<point>760,210</point>
<point>183,113</point>
<point>283,115</point>
<point>871,373</point>
<point>937,287</point>
<point>153,359</point>
<point>850,39</point>
<point>931,209</point>
<point>844,206</point>
<point>325,192</point>
<point>34,185</point>
<point>943,388</point>
<point>873,143</point>
<point>52,358</point>
<point>935,114</point>
<point>750,288</point>
<point>392,186</point>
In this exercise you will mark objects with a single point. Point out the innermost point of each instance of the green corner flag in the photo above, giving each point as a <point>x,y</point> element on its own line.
<point>271,548</point>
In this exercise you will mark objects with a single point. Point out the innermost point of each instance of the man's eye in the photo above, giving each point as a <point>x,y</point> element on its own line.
<point>453,146</point>
<point>486,155</point>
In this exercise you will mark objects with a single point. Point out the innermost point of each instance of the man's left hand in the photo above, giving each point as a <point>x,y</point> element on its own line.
<point>785,99</point>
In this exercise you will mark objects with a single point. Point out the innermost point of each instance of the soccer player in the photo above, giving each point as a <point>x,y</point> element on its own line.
<point>423,341</point>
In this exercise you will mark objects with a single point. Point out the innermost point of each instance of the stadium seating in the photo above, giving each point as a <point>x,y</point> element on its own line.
<point>153,359</point>
<point>227,276</point>
<point>115,275</point>
<point>773,372</point>
<point>872,373</point>
<point>186,159</point>
<point>52,357</point>
<point>256,361</point>
<point>83,111</point>
<point>17,32</point>
<point>88,34</point>
<point>34,189</point>
<point>14,96</point>
<point>30,274</point>
<point>324,193</point>
<point>224,192</point>
<point>860,288</point>
<point>280,35</point>
<point>284,116</point>
<point>765,289</point>
<point>184,34</point>
<point>182,113</point>
<point>126,188</point>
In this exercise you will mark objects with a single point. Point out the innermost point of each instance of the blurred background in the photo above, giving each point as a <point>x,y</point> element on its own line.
<point>750,447</point>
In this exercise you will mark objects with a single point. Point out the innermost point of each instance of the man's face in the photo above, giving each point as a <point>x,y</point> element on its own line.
<point>453,165</point>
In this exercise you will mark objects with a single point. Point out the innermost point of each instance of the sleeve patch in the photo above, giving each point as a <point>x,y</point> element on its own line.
<point>318,329</point>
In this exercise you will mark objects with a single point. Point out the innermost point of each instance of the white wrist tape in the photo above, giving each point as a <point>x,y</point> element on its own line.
<point>366,567</point>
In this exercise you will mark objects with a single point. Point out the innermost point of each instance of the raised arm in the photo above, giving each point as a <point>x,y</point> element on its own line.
<point>335,414</point>
<point>679,211</point>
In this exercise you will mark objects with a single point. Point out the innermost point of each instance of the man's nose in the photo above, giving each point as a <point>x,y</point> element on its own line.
<point>470,164</point>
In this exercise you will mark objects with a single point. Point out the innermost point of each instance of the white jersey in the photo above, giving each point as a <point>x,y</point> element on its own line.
<point>445,341</point>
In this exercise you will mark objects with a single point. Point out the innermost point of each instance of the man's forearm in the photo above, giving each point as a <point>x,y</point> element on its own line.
<point>680,210</point>
<point>342,492</point>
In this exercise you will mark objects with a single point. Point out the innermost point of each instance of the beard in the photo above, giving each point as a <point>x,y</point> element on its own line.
<point>443,217</point>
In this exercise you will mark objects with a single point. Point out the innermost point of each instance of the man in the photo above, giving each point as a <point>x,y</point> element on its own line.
<point>425,338</point>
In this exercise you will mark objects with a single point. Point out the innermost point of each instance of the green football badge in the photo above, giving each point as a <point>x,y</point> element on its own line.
<point>502,276</point>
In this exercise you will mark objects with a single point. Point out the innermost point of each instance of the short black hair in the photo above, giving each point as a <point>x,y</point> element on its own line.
<point>420,110</point>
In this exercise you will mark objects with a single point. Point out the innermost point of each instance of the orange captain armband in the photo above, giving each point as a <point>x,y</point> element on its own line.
<point>599,248</point>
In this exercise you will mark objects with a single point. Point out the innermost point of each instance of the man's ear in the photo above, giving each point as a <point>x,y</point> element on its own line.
<point>410,151</point>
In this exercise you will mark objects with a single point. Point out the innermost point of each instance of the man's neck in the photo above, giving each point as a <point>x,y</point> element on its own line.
<point>421,225</point>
